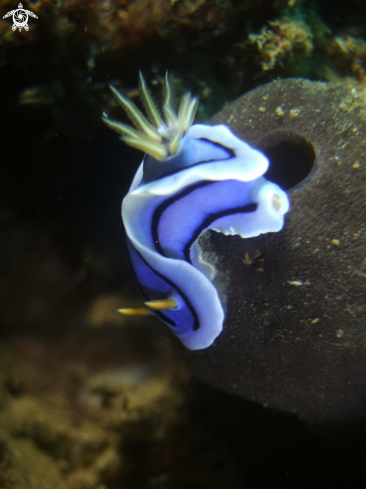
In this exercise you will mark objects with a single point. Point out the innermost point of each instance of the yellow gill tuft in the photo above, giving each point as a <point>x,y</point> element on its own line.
<point>158,135</point>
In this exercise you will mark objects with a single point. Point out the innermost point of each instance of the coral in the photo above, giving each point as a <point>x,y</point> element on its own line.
<point>46,432</point>
<point>70,435</point>
<point>65,62</point>
<point>282,40</point>
<point>63,65</point>
<point>90,413</point>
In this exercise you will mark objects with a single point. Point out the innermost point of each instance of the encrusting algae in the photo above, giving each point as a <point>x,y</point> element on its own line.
<point>282,40</point>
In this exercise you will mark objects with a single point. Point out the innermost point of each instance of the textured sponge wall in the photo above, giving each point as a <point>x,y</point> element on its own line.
<point>295,333</point>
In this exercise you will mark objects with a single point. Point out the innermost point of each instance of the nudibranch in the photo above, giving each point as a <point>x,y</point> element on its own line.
<point>193,178</point>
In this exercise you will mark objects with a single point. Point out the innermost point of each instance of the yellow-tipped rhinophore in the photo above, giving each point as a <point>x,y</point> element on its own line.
<point>161,305</point>
<point>155,136</point>
<point>134,311</point>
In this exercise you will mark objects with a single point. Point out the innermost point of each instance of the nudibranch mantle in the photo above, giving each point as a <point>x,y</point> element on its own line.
<point>212,181</point>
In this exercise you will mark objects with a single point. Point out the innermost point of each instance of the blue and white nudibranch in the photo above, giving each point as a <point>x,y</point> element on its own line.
<point>192,178</point>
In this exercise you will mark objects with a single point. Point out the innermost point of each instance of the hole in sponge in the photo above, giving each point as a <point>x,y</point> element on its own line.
<point>290,155</point>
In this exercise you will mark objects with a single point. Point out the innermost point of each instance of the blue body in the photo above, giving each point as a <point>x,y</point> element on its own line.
<point>214,182</point>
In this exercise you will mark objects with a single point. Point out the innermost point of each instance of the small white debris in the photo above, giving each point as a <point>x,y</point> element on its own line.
<point>297,283</point>
<point>279,111</point>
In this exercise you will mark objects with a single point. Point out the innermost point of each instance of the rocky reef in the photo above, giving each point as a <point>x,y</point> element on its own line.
<point>62,66</point>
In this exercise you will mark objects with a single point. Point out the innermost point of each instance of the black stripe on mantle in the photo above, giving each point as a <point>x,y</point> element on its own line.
<point>205,223</point>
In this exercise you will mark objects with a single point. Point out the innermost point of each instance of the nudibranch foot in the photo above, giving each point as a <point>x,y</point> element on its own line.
<point>192,179</point>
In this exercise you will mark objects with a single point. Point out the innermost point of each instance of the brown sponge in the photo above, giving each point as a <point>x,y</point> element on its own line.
<point>295,331</point>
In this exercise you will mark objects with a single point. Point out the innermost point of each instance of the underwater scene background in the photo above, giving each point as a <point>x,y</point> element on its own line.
<point>90,399</point>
